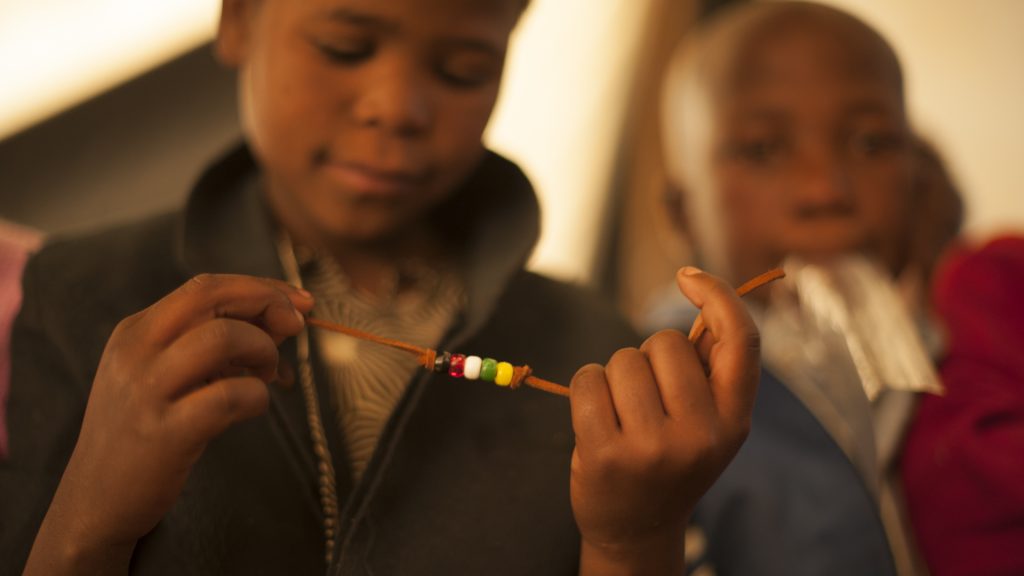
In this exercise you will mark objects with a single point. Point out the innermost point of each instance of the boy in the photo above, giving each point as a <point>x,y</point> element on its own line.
<point>788,135</point>
<point>363,178</point>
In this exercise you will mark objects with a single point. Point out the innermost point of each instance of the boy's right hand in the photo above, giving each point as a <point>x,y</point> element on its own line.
<point>655,427</point>
<point>172,377</point>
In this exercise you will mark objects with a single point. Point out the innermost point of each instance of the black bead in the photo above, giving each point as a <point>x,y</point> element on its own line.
<point>442,361</point>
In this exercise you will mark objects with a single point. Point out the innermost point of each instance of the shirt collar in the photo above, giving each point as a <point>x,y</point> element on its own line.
<point>493,219</point>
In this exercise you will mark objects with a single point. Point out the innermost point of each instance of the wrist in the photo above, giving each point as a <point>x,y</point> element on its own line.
<point>59,551</point>
<point>655,555</point>
<point>69,544</point>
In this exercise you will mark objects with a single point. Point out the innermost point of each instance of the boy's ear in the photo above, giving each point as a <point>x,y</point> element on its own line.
<point>232,40</point>
<point>673,200</point>
<point>674,229</point>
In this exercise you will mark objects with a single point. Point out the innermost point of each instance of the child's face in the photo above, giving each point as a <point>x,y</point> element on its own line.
<point>811,151</point>
<point>363,113</point>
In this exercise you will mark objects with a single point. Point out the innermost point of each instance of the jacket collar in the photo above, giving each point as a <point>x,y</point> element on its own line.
<point>493,220</point>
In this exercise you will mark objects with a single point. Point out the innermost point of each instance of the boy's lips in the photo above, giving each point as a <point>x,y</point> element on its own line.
<point>369,180</point>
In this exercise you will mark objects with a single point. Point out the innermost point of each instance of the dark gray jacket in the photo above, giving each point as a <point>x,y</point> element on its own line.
<point>467,479</point>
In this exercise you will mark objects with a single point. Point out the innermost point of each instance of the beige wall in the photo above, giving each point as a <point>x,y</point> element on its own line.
<point>55,54</point>
<point>964,62</point>
<point>561,116</point>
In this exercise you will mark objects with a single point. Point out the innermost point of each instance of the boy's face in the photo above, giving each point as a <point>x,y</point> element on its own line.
<point>363,113</point>
<point>811,152</point>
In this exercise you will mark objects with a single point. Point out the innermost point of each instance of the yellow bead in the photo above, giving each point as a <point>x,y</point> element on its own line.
<point>504,376</point>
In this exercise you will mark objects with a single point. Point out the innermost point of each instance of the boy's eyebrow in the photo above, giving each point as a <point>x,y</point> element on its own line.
<point>362,20</point>
<point>765,114</point>
<point>868,107</point>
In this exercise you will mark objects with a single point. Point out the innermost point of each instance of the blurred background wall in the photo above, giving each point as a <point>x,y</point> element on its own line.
<point>108,108</point>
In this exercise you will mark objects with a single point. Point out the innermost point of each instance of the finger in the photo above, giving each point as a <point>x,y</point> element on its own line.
<point>634,391</point>
<point>734,358</point>
<point>679,374</point>
<point>208,411</point>
<point>749,286</point>
<point>593,415</point>
<point>272,304</point>
<point>214,348</point>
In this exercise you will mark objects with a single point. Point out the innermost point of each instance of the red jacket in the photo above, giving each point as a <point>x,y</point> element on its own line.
<point>963,465</point>
<point>15,244</point>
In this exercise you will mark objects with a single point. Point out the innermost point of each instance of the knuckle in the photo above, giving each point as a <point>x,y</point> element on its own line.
<point>650,456</point>
<point>741,429</point>
<point>227,403</point>
<point>605,460</point>
<point>216,335</point>
<point>119,335</point>
<point>123,330</point>
<point>622,359</point>
<point>587,375</point>
<point>128,323</point>
<point>705,442</point>
<point>622,354</point>
<point>270,362</point>
<point>200,282</point>
<point>263,401</point>
<point>118,360</point>
<point>662,339</point>
<point>752,339</point>
<point>273,354</point>
<point>149,381</point>
<point>576,467</point>
<point>720,287</point>
<point>149,426</point>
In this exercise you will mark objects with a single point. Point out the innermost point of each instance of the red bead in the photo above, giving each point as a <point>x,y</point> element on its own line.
<point>458,363</point>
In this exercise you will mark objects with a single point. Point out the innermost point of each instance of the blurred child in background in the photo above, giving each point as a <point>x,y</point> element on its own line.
<point>788,138</point>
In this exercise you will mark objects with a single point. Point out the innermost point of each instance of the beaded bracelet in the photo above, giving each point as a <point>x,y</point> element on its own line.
<point>504,373</point>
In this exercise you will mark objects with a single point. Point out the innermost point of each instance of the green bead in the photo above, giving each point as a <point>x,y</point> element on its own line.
<point>488,369</point>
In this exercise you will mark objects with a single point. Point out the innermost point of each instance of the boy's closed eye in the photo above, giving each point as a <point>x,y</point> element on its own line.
<point>757,144</point>
<point>877,141</point>
<point>872,130</point>
<point>761,150</point>
<point>757,138</point>
<point>468,67</point>
<point>460,68</point>
<point>350,38</point>
<point>347,52</point>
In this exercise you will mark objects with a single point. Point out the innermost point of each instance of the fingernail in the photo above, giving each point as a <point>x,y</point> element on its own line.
<point>305,293</point>
<point>299,315</point>
<point>690,271</point>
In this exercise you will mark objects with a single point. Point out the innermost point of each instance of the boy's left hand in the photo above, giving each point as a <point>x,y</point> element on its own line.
<point>655,428</point>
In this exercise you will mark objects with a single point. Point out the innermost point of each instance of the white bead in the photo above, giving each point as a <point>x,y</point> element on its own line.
<point>471,370</point>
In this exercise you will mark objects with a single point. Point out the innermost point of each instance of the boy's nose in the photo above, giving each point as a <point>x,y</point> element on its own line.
<point>823,185</point>
<point>396,102</point>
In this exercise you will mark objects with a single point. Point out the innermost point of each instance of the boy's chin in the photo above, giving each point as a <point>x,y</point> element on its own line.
<point>825,247</point>
<point>367,230</point>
